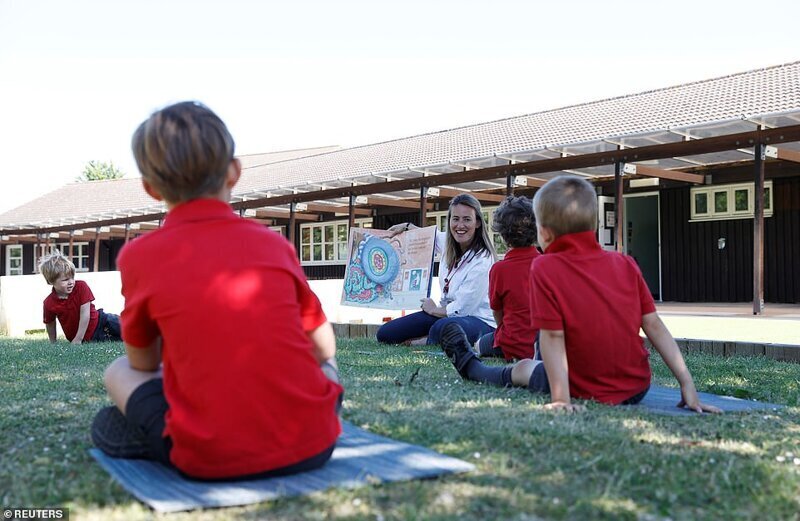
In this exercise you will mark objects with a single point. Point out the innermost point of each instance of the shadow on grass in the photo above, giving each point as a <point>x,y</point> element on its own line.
<point>613,463</point>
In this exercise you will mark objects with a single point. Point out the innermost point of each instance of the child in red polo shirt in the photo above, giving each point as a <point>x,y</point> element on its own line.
<point>230,369</point>
<point>509,290</point>
<point>588,305</point>
<point>71,302</point>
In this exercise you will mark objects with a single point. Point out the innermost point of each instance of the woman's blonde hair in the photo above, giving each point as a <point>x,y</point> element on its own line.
<point>481,242</point>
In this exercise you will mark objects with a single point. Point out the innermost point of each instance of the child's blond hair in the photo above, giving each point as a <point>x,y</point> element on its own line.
<point>54,266</point>
<point>566,204</point>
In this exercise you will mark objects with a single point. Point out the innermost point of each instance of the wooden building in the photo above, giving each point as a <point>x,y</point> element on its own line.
<point>699,182</point>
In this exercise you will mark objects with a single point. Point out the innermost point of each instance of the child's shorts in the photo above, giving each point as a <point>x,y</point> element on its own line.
<point>147,408</point>
<point>108,328</point>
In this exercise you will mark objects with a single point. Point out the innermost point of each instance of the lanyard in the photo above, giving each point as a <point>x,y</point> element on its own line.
<point>452,272</point>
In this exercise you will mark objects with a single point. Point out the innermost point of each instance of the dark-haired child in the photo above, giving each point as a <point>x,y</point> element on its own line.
<point>509,288</point>
<point>589,305</point>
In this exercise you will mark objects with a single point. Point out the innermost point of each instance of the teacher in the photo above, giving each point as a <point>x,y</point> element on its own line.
<point>467,254</point>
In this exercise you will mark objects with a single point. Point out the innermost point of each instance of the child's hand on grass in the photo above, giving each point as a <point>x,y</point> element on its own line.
<point>690,400</point>
<point>564,406</point>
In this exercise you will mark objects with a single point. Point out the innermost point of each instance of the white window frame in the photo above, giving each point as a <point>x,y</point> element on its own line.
<point>80,254</point>
<point>730,212</point>
<point>10,257</point>
<point>336,244</point>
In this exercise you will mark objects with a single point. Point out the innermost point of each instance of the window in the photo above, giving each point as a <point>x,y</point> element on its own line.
<point>279,229</point>
<point>734,201</point>
<point>326,243</point>
<point>80,253</point>
<point>14,259</point>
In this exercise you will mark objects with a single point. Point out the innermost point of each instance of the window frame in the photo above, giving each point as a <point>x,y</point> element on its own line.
<point>335,245</point>
<point>80,252</point>
<point>730,212</point>
<point>10,257</point>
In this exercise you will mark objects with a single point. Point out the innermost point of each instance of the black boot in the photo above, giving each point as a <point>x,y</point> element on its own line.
<point>456,346</point>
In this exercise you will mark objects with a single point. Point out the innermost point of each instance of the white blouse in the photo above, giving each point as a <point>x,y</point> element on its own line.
<point>468,291</point>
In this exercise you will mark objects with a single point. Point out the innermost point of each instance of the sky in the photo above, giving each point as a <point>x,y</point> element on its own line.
<point>77,77</point>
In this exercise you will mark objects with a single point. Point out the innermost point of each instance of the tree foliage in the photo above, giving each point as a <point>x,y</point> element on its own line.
<point>99,170</point>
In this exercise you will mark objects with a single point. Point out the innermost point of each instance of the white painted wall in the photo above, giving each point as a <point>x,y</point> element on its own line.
<point>21,300</point>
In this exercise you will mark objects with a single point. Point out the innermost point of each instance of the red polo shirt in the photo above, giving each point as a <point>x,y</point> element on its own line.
<point>68,310</point>
<point>597,298</point>
<point>509,292</point>
<point>233,308</point>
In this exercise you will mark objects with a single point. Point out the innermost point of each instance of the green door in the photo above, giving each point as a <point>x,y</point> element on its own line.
<point>642,238</point>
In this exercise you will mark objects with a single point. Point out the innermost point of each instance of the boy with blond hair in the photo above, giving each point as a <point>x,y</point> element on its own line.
<point>230,369</point>
<point>71,302</point>
<point>588,305</point>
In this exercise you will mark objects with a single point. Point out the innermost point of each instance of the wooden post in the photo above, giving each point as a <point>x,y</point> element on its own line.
<point>290,229</point>
<point>351,216</point>
<point>423,206</point>
<point>619,207</point>
<point>758,231</point>
<point>71,239</point>
<point>510,185</point>
<point>127,232</point>
<point>96,259</point>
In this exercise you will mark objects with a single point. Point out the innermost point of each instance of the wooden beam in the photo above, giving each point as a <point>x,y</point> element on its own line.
<point>423,205</point>
<point>758,232</point>
<point>278,214</point>
<point>96,263</point>
<point>662,173</point>
<point>292,225</point>
<point>351,214</point>
<point>783,154</point>
<point>322,208</point>
<point>480,196</point>
<point>398,203</point>
<point>619,206</point>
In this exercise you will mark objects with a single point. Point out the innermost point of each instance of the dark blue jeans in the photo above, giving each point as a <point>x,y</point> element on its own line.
<point>420,324</point>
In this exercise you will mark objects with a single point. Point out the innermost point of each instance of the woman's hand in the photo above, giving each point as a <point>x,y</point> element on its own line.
<point>399,228</point>
<point>429,306</point>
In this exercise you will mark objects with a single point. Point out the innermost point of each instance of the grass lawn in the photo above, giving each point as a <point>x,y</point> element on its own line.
<point>607,463</point>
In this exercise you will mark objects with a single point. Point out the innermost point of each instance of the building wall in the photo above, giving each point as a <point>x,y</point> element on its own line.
<point>694,269</point>
<point>21,301</point>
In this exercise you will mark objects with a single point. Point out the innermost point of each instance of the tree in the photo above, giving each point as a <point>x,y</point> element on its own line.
<point>98,170</point>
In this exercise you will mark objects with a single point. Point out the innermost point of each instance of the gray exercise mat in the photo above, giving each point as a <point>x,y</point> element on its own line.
<point>663,400</point>
<point>360,458</point>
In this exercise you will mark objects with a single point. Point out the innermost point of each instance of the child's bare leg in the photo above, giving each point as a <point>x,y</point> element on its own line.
<point>121,380</point>
<point>530,373</point>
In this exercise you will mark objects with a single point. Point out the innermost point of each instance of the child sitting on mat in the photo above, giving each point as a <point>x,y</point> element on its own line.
<point>588,304</point>
<point>230,369</point>
<point>71,302</point>
<point>509,289</point>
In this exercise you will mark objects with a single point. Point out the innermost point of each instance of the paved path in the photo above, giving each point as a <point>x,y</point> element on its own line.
<point>780,324</point>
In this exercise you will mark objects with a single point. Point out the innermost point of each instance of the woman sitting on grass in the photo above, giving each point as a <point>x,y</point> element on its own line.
<point>468,254</point>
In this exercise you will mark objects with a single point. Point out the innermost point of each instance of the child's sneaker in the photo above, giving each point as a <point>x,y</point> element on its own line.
<point>114,435</point>
<point>456,346</point>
